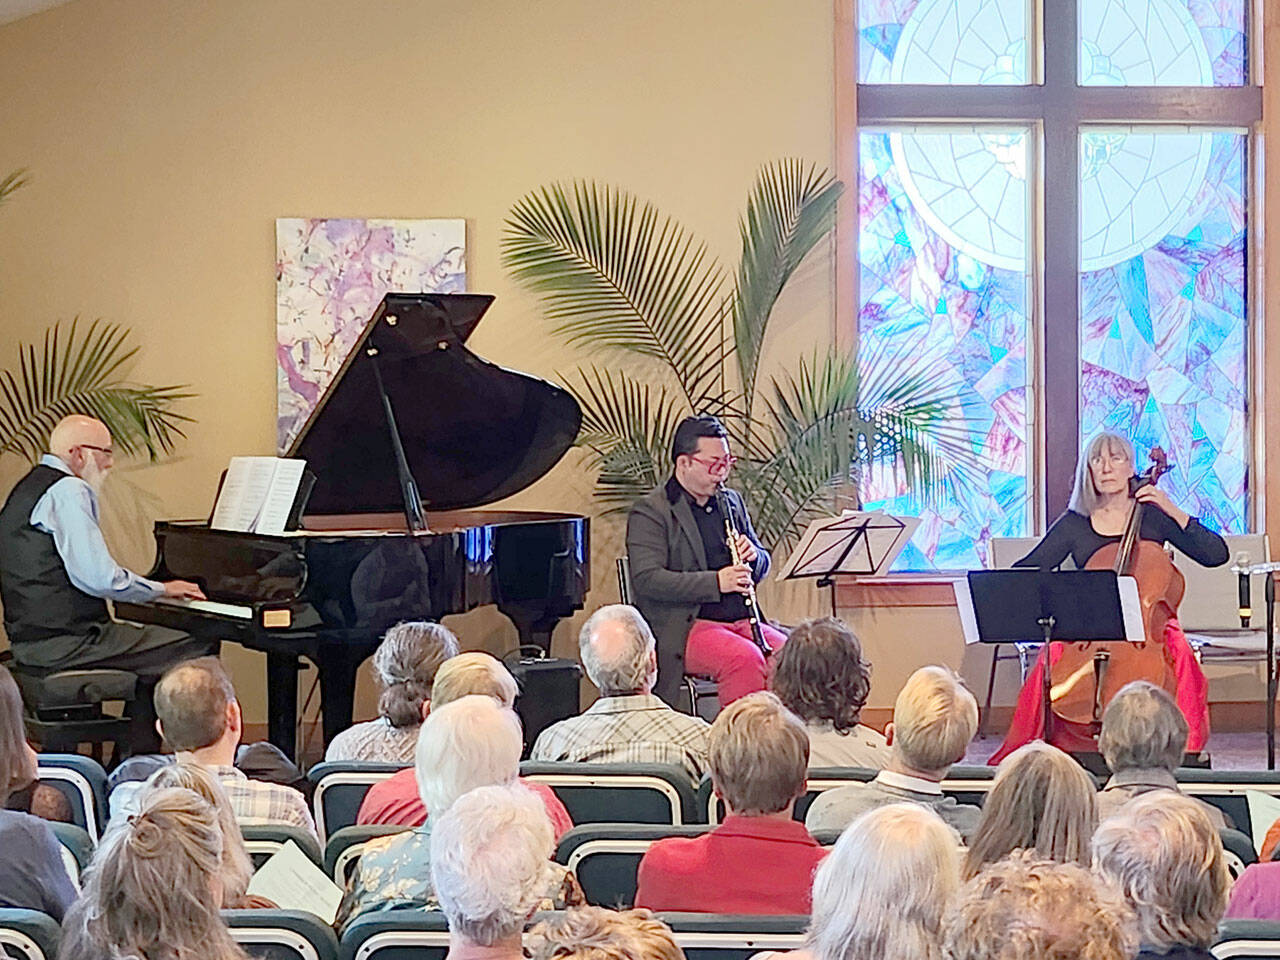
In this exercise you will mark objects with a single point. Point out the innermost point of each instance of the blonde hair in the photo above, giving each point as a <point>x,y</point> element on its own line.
<point>1041,800</point>
<point>594,933</point>
<point>237,867</point>
<point>471,673</point>
<point>934,718</point>
<point>1084,495</point>
<point>885,887</point>
<point>1025,908</point>
<point>150,891</point>
<point>405,664</point>
<point>758,752</point>
<point>1166,857</point>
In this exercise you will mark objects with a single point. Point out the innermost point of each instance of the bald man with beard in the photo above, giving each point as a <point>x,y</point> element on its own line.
<point>56,575</point>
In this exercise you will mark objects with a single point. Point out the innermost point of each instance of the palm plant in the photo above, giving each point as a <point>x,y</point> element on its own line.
<point>618,278</point>
<point>83,371</point>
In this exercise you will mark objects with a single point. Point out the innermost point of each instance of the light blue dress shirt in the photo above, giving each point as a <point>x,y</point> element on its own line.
<point>68,511</point>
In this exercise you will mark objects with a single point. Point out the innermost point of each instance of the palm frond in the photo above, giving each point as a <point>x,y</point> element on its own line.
<point>790,209</point>
<point>626,429</point>
<point>13,182</point>
<point>613,273</point>
<point>82,374</point>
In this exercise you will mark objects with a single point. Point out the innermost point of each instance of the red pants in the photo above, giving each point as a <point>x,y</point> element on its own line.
<point>726,653</point>
<point>1192,696</point>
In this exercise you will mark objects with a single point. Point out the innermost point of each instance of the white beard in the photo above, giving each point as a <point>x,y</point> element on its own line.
<point>93,476</point>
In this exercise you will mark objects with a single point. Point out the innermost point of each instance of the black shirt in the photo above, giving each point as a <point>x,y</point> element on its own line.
<point>731,606</point>
<point>1072,534</point>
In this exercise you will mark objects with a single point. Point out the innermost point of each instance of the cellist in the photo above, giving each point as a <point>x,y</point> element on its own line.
<point>1097,515</point>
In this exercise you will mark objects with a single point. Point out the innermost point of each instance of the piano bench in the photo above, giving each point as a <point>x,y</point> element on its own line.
<point>64,709</point>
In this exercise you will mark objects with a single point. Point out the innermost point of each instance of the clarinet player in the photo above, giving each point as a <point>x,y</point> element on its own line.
<point>682,572</point>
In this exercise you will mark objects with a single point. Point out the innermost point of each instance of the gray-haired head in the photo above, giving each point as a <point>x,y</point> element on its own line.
<point>1084,495</point>
<point>490,862</point>
<point>471,742</point>
<point>405,664</point>
<point>1166,857</point>
<point>618,651</point>
<point>1142,728</point>
<point>885,887</point>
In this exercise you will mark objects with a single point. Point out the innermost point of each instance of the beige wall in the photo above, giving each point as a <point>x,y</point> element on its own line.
<point>165,136</point>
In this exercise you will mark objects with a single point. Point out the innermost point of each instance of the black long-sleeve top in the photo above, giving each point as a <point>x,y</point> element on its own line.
<point>1072,534</point>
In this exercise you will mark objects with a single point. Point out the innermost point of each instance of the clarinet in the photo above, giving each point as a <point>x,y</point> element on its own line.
<point>753,607</point>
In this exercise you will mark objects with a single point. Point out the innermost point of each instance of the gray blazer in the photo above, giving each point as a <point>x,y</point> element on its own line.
<point>669,575</point>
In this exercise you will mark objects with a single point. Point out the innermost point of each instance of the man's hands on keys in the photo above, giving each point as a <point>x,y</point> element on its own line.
<point>734,579</point>
<point>183,590</point>
<point>746,549</point>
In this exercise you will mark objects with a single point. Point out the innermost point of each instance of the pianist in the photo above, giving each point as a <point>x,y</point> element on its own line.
<point>685,583</point>
<point>56,575</point>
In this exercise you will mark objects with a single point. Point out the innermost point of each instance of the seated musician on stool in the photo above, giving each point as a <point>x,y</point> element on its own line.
<point>685,582</point>
<point>1097,516</point>
<point>56,575</point>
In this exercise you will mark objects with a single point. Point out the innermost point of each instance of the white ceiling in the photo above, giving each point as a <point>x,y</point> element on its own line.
<point>17,9</point>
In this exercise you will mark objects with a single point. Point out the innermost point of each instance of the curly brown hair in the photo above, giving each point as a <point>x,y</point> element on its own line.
<point>821,675</point>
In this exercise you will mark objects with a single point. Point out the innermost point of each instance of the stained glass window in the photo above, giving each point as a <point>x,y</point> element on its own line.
<point>943,41</point>
<point>1163,332</point>
<point>1184,43</point>
<point>943,286</point>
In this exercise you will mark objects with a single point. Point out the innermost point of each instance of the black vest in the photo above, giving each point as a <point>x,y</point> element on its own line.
<point>39,599</point>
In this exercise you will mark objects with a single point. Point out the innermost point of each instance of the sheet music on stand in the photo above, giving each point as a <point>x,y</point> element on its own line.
<point>856,543</point>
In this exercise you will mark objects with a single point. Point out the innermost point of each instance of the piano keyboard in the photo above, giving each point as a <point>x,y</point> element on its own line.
<point>233,610</point>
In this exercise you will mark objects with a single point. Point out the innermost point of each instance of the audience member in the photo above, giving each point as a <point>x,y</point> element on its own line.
<point>25,793</point>
<point>397,801</point>
<point>934,718</point>
<point>1256,893</point>
<point>1143,740</point>
<point>469,743</point>
<point>1165,855</point>
<point>237,867</point>
<point>759,860</point>
<point>405,666</point>
<point>153,890</point>
<point>884,889</point>
<point>594,933</point>
<point>490,864</point>
<point>821,677</point>
<point>1024,908</point>
<point>199,716</point>
<point>628,724</point>
<point>1041,800</point>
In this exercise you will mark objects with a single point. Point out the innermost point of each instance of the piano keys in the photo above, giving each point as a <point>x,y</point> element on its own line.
<point>471,433</point>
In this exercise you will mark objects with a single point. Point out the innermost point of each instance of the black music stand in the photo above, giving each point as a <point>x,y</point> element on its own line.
<point>1033,606</point>
<point>853,544</point>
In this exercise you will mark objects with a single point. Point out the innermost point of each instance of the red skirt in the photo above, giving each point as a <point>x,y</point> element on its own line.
<point>1192,696</point>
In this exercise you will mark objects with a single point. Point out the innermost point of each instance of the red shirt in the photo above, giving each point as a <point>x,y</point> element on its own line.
<point>745,865</point>
<point>395,801</point>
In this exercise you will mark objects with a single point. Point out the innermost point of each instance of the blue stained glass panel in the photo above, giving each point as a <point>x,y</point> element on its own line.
<point>943,290</point>
<point>1181,43</point>
<point>1163,307</point>
<point>943,41</point>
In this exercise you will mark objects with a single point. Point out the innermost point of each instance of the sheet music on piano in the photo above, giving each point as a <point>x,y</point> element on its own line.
<point>258,494</point>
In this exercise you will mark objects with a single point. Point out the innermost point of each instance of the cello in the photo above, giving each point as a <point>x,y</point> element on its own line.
<point>1088,674</point>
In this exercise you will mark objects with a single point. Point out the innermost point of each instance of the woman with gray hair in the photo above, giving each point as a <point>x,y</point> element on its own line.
<point>1041,800</point>
<point>1097,516</point>
<point>472,742</point>
<point>491,866</point>
<point>1165,856</point>
<point>405,666</point>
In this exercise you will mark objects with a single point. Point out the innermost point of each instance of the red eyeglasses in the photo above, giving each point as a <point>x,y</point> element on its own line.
<point>718,465</point>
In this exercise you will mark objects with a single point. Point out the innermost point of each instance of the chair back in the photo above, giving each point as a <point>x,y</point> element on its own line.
<point>1239,852</point>
<point>262,840</point>
<point>623,564</point>
<point>1227,790</point>
<point>415,934</point>
<point>340,789</point>
<point>1005,551</point>
<point>28,935</point>
<point>1211,600</point>
<point>343,848</point>
<point>618,792</point>
<point>282,934</point>
<point>76,847</point>
<point>706,936</point>
<point>605,857</point>
<point>83,782</point>
<point>1247,940</point>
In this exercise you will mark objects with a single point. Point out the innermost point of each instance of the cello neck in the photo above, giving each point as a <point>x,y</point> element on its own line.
<point>1133,525</point>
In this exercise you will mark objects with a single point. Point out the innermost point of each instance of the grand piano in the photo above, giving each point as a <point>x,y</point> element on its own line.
<point>414,432</point>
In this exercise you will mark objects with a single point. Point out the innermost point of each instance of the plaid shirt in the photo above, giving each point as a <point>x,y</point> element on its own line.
<point>638,728</point>
<point>257,801</point>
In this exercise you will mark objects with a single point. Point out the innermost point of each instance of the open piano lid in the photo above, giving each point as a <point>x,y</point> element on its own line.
<point>473,432</point>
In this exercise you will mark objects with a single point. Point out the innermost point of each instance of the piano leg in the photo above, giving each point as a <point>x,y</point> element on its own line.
<point>282,702</point>
<point>338,665</point>
<point>534,623</point>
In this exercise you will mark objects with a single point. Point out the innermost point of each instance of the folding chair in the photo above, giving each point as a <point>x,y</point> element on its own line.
<point>340,789</point>
<point>618,792</point>
<point>28,935</point>
<point>83,782</point>
<point>262,840</point>
<point>282,934</point>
